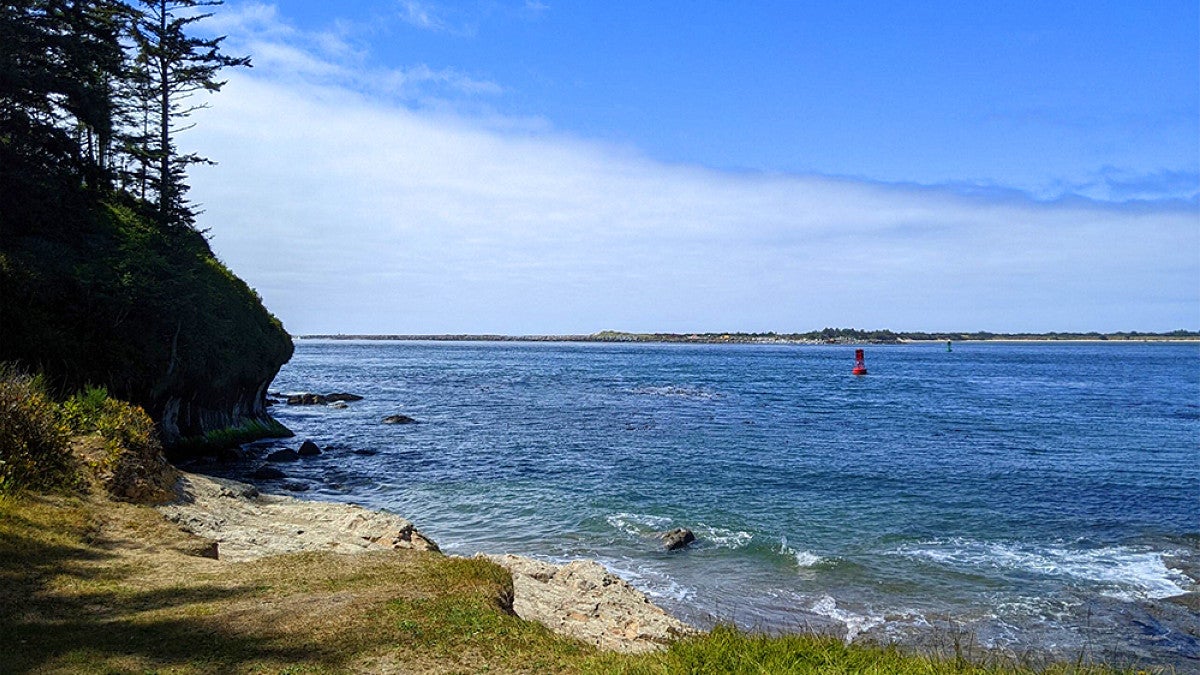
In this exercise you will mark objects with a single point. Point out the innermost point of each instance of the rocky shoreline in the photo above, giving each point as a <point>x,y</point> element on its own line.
<point>580,599</point>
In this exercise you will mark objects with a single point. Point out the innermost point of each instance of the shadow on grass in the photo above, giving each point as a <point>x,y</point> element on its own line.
<point>66,605</point>
<point>90,642</point>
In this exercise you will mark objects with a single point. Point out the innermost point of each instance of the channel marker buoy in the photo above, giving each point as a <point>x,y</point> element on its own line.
<point>860,364</point>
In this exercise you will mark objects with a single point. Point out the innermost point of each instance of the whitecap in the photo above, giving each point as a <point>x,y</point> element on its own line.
<point>1122,572</point>
<point>803,558</point>
<point>724,538</point>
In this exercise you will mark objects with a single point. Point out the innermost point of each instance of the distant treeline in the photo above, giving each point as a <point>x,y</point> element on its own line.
<point>824,336</point>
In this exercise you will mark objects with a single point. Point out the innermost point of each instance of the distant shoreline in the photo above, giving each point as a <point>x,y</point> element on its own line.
<point>827,337</point>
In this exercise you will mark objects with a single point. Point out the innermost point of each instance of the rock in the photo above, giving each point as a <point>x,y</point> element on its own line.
<point>266,472</point>
<point>677,538</point>
<point>381,529</point>
<point>230,455</point>
<point>584,600</point>
<point>295,487</point>
<point>399,419</point>
<point>340,405</point>
<point>251,525</point>
<point>307,449</point>
<point>366,453</point>
<point>307,399</point>
<point>203,549</point>
<point>342,396</point>
<point>284,455</point>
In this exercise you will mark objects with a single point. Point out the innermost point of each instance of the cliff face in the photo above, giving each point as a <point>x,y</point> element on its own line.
<point>181,417</point>
<point>106,297</point>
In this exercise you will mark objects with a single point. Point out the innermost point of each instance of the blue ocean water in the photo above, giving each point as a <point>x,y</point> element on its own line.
<point>1038,496</point>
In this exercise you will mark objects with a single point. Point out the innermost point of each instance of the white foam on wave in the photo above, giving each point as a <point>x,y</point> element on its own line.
<point>803,558</point>
<point>648,579</point>
<point>724,538</point>
<point>638,524</point>
<point>1122,572</point>
<point>854,623</point>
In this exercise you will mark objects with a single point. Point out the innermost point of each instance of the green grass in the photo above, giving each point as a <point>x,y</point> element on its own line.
<point>90,585</point>
<point>220,439</point>
<point>728,650</point>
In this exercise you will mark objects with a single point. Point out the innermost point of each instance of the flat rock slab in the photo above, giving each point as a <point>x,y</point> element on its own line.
<point>247,524</point>
<point>583,600</point>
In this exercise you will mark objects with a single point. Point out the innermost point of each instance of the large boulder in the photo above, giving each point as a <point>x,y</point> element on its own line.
<point>677,538</point>
<point>399,419</point>
<point>342,396</point>
<point>308,449</point>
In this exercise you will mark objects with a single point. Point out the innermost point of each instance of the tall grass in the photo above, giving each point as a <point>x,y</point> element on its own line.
<point>726,649</point>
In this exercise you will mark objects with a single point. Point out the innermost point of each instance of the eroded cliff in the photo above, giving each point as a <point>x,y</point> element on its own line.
<point>108,297</point>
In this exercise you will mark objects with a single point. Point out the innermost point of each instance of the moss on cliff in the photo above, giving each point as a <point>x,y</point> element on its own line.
<point>104,296</point>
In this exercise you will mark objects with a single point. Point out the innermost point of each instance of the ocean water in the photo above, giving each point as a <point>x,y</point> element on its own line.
<point>1038,498</point>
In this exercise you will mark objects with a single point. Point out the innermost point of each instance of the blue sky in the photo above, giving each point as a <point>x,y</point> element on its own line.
<point>535,167</point>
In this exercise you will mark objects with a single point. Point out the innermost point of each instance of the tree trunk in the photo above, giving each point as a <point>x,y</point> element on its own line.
<point>164,131</point>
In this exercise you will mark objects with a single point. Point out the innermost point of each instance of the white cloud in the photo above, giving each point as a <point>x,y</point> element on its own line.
<point>352,212</point>
<point>281,52</point>
<point>421,15</point>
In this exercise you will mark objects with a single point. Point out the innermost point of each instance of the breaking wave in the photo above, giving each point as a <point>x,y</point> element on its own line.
<point>1121,572</point>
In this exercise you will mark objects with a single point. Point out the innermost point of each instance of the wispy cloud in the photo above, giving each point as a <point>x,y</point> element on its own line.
<point>440,18</point>
<point>282,52</point>
<point>421,15</point>
<point>353,211</point>
<point>1118,184</point>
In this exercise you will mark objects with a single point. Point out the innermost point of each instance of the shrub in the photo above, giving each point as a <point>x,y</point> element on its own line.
<point>34,441</point>
<point>131,465</point>
<point>83,411</point>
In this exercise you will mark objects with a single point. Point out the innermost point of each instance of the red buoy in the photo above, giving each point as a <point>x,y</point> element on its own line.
<point>860,364</point>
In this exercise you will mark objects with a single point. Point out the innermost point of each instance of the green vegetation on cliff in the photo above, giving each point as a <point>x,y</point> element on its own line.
<point>105,280</point>
<point>110,298</point>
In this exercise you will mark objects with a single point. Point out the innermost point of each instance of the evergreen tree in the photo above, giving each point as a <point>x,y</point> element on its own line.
<point>60,61</point>
<point>171,69</point>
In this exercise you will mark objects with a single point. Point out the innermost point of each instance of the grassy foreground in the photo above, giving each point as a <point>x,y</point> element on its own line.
<point>92,585</point>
